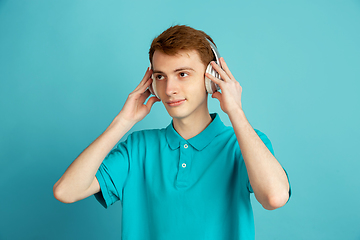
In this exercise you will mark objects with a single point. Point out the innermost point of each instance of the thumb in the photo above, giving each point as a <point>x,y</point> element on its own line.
<point>151,102</point>
<point>217,95</point>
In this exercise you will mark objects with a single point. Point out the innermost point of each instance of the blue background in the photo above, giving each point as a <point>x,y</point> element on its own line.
<point>66,68</point>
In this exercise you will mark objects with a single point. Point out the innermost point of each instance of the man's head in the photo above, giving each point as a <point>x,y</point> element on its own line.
<point>179,57</point>
<point>183,38</point>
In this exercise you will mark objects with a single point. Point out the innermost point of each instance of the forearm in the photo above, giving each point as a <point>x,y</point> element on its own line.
<point>266,175</point>
<point>79,180</point>
<point>81,173</point>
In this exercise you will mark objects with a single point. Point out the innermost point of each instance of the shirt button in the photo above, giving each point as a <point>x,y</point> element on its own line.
<point>186,146</point>
<point>184,165</point>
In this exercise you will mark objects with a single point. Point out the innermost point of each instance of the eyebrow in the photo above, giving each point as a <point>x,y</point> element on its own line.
<point>177,70</point>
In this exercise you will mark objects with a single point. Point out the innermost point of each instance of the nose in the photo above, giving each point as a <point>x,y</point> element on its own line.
<point>172,86</point>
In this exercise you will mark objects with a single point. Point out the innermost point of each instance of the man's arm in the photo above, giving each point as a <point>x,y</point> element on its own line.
<point>267,178</point>
<point>79,181</point>
<point>266,175</point>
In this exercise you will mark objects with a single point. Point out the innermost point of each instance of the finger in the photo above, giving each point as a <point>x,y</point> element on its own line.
<point>147,74</point>
<point>151,102</point>
<point>144,96</point>
<point>143,87</point>
<point>214,79</point>
<point>222,73</point>
<point>225,67</point>
<point>146,77</point>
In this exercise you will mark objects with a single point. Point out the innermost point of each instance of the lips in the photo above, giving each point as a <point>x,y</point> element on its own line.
<point>174,103</point>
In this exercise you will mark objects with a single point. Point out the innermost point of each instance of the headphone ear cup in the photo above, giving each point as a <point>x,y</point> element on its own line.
<point>211,87</point>
<point>152,87</point>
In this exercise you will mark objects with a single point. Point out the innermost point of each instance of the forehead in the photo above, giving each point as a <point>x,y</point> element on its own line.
<point>190,58</point>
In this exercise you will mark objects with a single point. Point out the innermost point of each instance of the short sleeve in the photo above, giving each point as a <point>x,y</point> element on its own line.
<point>112,175</point>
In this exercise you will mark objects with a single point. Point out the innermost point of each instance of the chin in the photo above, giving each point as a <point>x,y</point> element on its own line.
<point>177,113</point>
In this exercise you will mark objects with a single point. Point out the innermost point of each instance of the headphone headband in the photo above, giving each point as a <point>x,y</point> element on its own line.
<point>212,87</point>
<point>215,51</point>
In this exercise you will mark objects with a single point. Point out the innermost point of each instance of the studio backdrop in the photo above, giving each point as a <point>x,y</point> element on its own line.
<point>67,67</point>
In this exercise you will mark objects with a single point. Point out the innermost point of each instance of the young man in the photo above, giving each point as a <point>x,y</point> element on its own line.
<point>192,179</point>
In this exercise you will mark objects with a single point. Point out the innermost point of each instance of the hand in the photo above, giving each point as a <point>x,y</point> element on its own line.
<point>230,96</point>
<point>135,109</point>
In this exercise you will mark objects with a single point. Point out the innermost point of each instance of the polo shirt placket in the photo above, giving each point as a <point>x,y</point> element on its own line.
<point>184,167</point>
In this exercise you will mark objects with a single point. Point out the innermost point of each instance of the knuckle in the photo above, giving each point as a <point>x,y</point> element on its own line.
<point>131,95</point>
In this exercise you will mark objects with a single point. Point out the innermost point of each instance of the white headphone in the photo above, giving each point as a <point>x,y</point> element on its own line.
<point>211,87</point>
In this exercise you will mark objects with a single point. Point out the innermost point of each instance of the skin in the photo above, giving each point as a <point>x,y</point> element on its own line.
<point>267,177</point>
<point>181,88</point>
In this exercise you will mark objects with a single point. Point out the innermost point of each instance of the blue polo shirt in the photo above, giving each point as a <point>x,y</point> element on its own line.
<point>172,188</point>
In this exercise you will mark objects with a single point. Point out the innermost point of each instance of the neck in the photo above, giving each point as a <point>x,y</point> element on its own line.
<point>192,125</point>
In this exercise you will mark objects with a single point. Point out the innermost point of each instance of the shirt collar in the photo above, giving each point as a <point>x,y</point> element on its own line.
<point>201,140</point>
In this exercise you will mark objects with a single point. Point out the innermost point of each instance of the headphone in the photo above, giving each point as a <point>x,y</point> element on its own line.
<point>211,87</point>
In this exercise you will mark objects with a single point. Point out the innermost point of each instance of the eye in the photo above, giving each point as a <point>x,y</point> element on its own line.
<point>159,77</point>
<point>183,74</point>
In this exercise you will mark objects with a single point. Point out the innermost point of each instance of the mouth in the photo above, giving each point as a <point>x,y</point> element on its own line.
<point>175,103</point>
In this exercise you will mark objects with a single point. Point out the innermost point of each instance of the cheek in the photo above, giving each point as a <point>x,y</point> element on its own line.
<point>197,91</point>
<point>160,86</point>
<point>200,86</point>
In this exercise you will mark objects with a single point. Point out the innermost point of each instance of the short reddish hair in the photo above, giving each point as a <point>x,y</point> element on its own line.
<point>181,37</point>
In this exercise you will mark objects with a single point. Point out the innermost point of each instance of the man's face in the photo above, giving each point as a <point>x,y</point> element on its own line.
<point>180,83</point>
